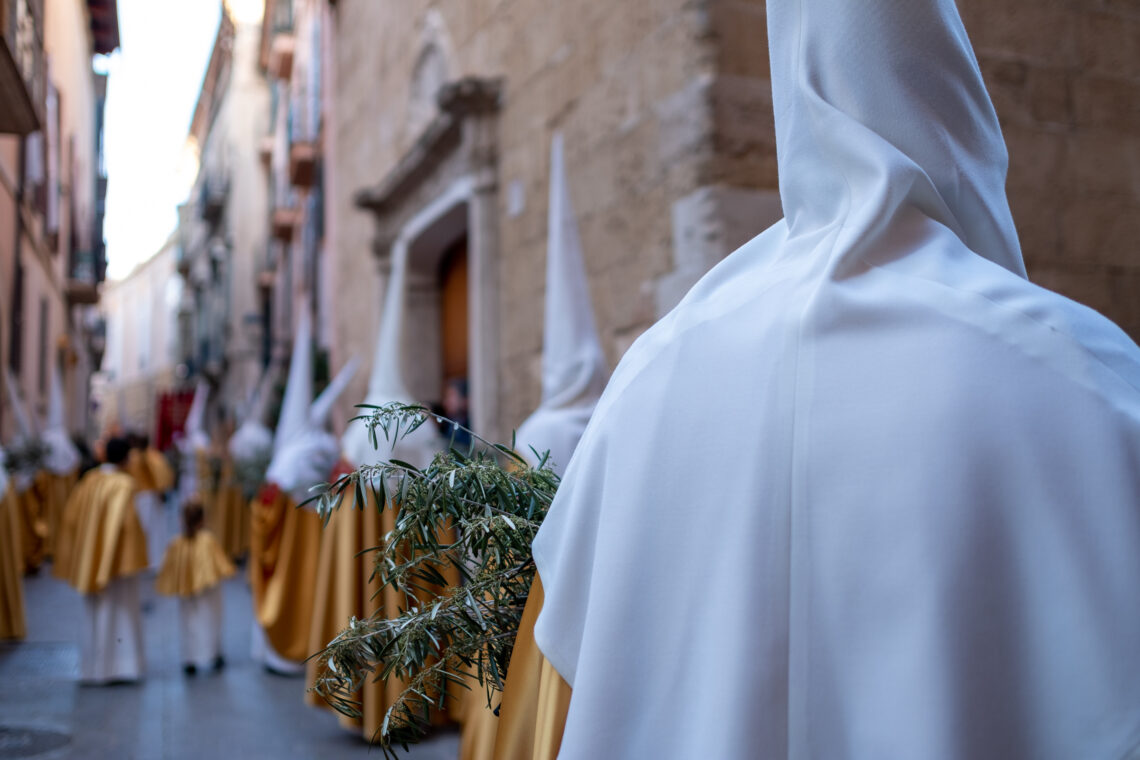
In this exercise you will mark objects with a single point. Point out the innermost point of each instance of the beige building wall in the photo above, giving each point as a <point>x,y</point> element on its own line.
<point>666,110</point>
<point>223,254</point>
<point>140,362</point>
<point>662,189</point>
<point>53,329</point>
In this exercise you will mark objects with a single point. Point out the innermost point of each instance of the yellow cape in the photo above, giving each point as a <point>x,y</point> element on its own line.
<point>193,565</point>
<point>12,625</point>
<point>346,588</point>
<point>229,514</point>
<point>54,490</point>
<point>101,538</point>
<point>284,544</point>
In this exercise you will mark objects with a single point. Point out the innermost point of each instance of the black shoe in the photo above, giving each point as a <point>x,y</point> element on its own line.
<point>190,669</point>
<point>219,662</point>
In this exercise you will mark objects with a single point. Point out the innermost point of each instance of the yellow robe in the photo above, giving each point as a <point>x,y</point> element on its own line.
<point>345,588</point>
<point>54,490</point>
<point>33,526</point>
<point>284,544</point>
<point>229,516</point>
<point>12,622</point>
<point>193,565</point>
<point>101,538</point>
<point>535,698</point>
<point>150,470</point>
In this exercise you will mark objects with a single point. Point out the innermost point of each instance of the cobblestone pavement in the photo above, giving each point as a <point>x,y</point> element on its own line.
<point>242,712</point>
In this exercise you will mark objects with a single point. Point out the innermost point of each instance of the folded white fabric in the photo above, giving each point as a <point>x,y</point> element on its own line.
<point>866,492</point>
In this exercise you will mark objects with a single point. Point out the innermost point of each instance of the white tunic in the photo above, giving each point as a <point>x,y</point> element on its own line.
<point>200,622</point>
<point>110,634</point>
<point>867,492</point>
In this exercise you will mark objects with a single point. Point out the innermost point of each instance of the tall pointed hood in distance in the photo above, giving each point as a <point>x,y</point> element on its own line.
<point>299,383</point>
<point>386,384</point>
<point>253,440</point>
<point>27,432</point>
<point>322,407</point>
<point>304,453</point>
<point>194,436</point>
<point>27,429</point>
<point>573,362</point>
<point>880,105</point>
<point>62,457</point>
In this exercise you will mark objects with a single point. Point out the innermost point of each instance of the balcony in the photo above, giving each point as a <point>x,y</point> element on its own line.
<point>285,219</point>
<point>22,80</point>
<point>83,278</point>
<point>265,150</point>
<point>212,198</point>
<point>303,163</point>
<point>281,43</point>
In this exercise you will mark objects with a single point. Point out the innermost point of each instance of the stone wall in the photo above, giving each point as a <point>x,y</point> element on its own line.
<point>1065,79</point>
<point>666,109</point>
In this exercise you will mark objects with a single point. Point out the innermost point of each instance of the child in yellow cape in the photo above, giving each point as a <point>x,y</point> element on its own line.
<point>193,570</point>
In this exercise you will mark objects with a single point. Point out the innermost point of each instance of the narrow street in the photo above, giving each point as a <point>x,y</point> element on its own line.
<point>241,712</point>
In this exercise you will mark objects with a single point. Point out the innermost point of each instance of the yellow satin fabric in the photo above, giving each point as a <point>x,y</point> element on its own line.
<point>283,552</point>
<point>101,538</point>
<point>54,491</point>
<point>160,470</point>
<point>12,621</point>
<point>193,565</point>
<point>345,589</point>
<point>229,517</point>
<point>534,702</point>
<point>150,470</point>
<point>33,526</point>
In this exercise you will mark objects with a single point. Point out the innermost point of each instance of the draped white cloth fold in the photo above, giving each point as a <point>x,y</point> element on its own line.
<point>200,627</point>
<point>110,634</point>
<point>573,363</point>
<point>866,492</point>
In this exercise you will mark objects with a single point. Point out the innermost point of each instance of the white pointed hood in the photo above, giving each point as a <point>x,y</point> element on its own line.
<point>386,383</point>
<point>885,482</point>
<point>253,440</point>
<point>62,457</point>
<point>27,431</point>
<point>573,363</point>
<point>865,128</point>
<point>194,436</point>
<point>304,452</point>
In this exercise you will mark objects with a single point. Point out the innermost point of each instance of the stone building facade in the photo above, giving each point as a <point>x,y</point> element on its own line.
<point>52,189</point>
<point>141,360</point>
<point>438,116</point>
<point>223,235</point>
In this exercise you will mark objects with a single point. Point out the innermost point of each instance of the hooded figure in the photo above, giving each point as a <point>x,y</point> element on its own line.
<point>573,376</point>
<point>284,540</point>
<point>194,446</point>
<point>61,464</point>
<point>894,483</point>
<point>345,582</point>
<point>247,456</point>
<point>33,518</point>
<point>252,442</point>
<point>573,363</point>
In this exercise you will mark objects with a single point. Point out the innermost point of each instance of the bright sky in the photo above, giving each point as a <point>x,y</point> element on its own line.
<point>154,81</point>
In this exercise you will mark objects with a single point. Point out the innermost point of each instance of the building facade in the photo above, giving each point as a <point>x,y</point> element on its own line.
<point>52,189</point>
<point>223,236</point>
<point>141,362</point>
<point>438,119</point>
